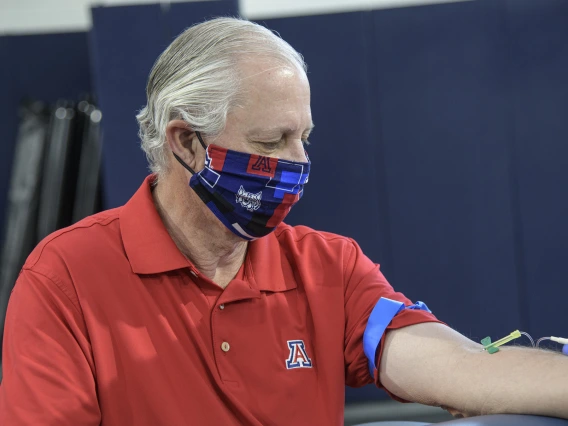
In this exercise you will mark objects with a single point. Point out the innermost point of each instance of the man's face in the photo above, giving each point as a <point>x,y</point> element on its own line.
<point>273,116</point>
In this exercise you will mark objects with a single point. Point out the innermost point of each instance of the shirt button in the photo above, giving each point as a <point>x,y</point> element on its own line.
<point>193,273</point>
<point>225,347</point>
<point>221,307</point>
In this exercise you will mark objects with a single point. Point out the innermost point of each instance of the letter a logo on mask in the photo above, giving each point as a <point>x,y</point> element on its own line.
<point>249,201</point>
<point>263,164</point>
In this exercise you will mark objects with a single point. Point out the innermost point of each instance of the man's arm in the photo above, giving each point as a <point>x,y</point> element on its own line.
<point>434,365</point>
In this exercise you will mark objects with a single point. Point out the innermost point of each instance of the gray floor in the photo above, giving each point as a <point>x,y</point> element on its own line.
<point>392,410</point>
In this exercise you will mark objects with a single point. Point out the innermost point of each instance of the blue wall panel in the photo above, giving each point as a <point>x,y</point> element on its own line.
<point>125,43</point>
<point>46,67</point>
<point>445,120</point>
<point>539,50</point>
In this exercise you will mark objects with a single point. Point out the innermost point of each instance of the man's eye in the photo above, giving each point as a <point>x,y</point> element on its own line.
<point>271,145</point>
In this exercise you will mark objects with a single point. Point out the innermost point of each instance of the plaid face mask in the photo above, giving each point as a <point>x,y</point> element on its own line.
<point>251,194</point>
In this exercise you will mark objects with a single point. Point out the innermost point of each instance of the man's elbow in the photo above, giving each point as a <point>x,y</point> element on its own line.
<point>421,363</point>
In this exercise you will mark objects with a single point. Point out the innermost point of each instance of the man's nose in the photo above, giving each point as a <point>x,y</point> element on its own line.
<point>298,152</point>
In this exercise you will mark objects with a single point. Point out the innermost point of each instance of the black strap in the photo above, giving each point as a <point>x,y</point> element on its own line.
<point>181,161</point>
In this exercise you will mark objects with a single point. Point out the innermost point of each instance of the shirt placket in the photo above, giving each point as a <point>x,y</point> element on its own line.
<point>225,339</point>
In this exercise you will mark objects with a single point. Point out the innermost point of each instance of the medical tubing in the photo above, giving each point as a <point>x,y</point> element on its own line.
<point>529,337</point>
<point>540,340</point>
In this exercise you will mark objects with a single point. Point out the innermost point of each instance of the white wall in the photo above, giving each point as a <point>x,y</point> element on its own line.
<point>40,16</point>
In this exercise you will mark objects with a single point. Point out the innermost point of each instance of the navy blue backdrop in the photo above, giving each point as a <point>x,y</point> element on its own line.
<point>444,96</point>
<point>539,52</point>
<point>440,142</point>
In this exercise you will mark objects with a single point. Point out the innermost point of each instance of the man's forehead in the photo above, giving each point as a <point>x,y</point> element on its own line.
<point>270,75</point>
<point>254,65</point>
<point>254,71</point>
<point>274,99</point>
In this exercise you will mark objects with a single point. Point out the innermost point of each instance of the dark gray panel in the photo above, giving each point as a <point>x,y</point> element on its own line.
<point>47,67</point>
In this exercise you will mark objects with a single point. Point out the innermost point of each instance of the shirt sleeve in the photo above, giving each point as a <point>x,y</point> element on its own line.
<point>365,285</point>
<point>48,368</point>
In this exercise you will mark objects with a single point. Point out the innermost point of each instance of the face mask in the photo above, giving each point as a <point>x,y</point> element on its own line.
<point>251,194</point>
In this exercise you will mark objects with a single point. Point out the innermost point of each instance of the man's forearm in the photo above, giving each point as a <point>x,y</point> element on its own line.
<point>519,380</point>
<point>434,365</point>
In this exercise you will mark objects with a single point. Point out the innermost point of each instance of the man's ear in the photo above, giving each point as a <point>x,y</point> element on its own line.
<point>183,141</point>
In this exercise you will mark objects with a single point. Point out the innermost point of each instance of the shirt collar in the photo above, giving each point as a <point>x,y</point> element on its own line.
<point>148,245</point>
<point>268,266</point>
<point>151,250</point>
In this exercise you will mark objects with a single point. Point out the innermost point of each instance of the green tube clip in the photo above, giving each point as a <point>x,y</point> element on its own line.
<point>494,347</point>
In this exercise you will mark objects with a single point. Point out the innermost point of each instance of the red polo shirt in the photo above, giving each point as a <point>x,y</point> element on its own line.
<point>110,324</point>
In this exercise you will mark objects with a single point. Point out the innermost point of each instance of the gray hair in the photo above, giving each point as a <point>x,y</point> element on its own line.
<point>196,79</point>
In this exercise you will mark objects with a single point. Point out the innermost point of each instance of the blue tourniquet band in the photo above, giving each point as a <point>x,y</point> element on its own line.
<point>381,316</point>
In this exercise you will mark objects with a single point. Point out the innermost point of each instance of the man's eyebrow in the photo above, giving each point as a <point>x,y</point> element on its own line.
<point>279,130</point>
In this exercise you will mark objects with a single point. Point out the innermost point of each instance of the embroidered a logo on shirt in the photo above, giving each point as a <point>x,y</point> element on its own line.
<point>298,357</point>
<point>248,200</point>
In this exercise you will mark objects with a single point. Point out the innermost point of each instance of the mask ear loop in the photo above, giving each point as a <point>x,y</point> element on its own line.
<point>189,169</point>
<point>201,140</point>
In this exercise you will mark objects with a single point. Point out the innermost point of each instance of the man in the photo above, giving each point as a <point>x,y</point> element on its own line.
<point>195,304</point>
